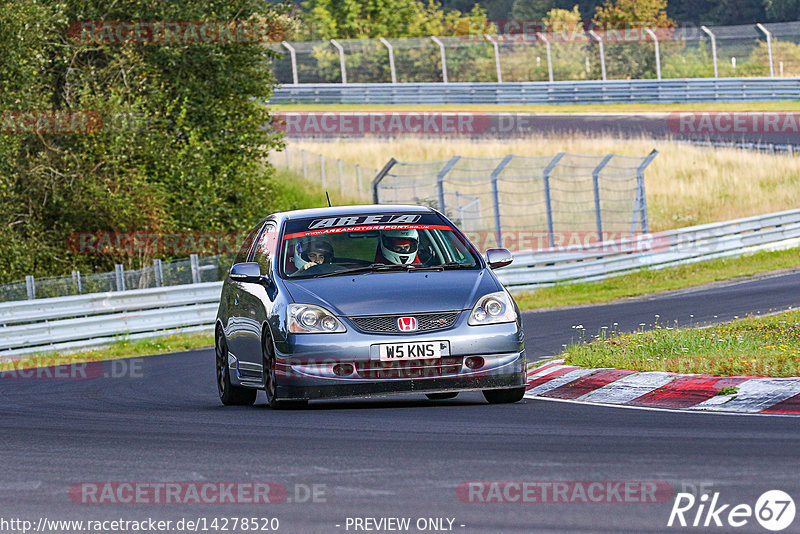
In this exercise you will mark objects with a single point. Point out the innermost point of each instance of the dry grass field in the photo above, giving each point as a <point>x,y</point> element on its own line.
<point>685,185</point>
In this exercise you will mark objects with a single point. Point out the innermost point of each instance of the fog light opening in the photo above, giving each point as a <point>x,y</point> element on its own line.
<point>474,362</point>
<point>343,369</point>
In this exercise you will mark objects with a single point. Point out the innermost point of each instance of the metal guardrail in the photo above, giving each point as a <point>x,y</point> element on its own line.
<point>678,90</point>
<point>94,319</point>
<point>89,320</point>
<point>657,250</point>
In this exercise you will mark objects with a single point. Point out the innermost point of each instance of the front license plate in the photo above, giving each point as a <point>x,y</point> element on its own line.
<point>390,352</point>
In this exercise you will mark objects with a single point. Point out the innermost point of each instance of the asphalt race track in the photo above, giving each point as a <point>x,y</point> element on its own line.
<point>403,457</point>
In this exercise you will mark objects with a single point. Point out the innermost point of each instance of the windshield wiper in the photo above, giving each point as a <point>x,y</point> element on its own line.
<point>441,267</point>
<point>366,268</point>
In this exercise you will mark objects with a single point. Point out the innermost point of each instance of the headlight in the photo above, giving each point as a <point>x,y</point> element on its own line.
<point>310,319</point>
<point>492,309</point>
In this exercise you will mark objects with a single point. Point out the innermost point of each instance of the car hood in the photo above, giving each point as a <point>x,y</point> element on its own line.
<point>394,292</point>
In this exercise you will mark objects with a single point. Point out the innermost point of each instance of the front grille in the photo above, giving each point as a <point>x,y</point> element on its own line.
<point>448,365</point>
<point>387,324</point>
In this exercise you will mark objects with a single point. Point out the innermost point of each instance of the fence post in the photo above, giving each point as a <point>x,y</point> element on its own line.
<point>322,170</point>
<point>641,199</point>
<point>769,48</point>
<point>119,274</point>
<point>305,172</point>
<point>551,234</point>
<point>341,178</point>
<point>498,229</point>
<point>549,56</point>
<point>596,185</point>
<point>602,53</point>
<point>713,49</point>
<point>76,278</point>
<point>194,263</point>
<point>388,46</point>
<point>30,286</point>
<point>358,176</point>
<point>496,56</point>
<point>440,181</point>
<point>379,177</point>
<point>444,58</point>
<point>652,34</point>
<point>158,273</point>
<point>286,151</point>
<point>339,47</point>
<point>293,57</point>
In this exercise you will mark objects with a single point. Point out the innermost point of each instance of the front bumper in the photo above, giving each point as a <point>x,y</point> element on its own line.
<point>306,364</point>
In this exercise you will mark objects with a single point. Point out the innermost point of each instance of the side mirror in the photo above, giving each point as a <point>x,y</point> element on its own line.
<point>498,257</point>
<point>246,272</point>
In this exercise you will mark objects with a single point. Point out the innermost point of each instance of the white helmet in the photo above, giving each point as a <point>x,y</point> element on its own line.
<point>400,246</point>
<point>304,246</point>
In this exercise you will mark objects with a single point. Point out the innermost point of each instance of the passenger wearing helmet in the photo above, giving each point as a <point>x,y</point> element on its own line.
<point>399,247</point>
<point>311,252</point>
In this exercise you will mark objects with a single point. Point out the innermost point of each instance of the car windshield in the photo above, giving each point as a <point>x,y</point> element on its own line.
<point>374,243</point>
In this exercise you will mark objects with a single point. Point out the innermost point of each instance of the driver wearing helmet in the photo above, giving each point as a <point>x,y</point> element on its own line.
<point>399,247</point>
<point>311,252</point>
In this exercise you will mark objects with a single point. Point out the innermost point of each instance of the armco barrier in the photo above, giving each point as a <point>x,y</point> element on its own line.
<point>86,320</point>
<point>94,319</point>
<point>657,250</point>
<point>677,90</point>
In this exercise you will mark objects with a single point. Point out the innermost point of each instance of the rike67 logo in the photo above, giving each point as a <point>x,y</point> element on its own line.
<point>774,510</point>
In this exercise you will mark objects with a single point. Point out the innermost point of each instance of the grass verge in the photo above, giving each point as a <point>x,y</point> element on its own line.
<point>122,348</point>
<point>658,280</point>
<point>755,346</point>
<point>791,105</point>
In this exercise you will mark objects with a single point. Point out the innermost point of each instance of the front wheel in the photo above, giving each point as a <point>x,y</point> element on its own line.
<point>504,396</point>
<point>271,383</point>
<point>229,394</point>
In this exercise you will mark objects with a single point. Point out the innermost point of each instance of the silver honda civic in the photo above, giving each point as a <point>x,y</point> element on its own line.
<point>361,301</point>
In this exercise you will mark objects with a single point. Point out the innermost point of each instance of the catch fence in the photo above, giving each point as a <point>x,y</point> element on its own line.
<point>527,202</point>
<point>565,54</point>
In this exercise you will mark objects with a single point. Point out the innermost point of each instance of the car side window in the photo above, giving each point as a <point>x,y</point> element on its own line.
<point>244,251</point>
<point>266,247</point>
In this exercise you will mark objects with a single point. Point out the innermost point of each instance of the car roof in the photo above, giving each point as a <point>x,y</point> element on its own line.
<point>362,209</point>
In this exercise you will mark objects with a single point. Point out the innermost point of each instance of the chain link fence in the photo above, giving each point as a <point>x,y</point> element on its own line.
<point>351,180</point>
<point>630,53</point>
<point>527,202</point>
<point>192,270</point>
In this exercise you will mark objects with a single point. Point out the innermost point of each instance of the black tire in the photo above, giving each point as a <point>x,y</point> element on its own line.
<point>442,396</point>
<point>504,396</point>
<point>229,394</point>
<point>270,382</point>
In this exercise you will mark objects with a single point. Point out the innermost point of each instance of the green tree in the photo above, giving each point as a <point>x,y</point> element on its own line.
<point>782,10</point>
<point>181,147</point>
